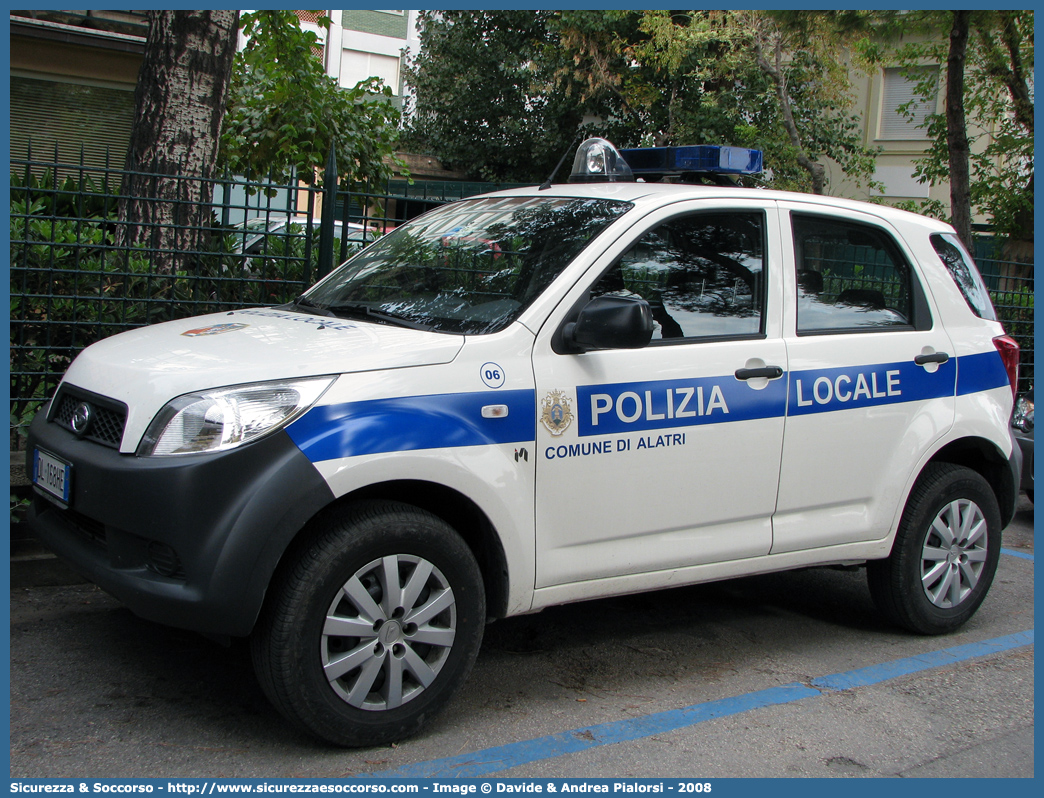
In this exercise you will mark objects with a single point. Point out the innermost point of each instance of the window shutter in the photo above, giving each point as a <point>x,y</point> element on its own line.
<point>897,91</point>
<point>71,115</point>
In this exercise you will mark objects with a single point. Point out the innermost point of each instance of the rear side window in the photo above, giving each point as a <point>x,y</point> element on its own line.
<point>851,277</point>
<point>962,269</point>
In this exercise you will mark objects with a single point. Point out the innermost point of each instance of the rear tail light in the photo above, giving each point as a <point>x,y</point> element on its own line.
<point>1009,352</point>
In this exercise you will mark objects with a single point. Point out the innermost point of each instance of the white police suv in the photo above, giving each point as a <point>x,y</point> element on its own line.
<point>538,396</point>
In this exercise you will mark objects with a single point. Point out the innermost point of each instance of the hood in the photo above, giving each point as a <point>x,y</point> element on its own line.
<point>147,367</point>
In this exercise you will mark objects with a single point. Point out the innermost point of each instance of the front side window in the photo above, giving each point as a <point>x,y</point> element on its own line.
<point>469,267</point>
<point>702,275</point>
<point>850,277</point>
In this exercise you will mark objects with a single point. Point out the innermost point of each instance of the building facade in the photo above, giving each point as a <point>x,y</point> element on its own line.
<point>73,73</point>
<point>899,137</point>
<point>72,83</point>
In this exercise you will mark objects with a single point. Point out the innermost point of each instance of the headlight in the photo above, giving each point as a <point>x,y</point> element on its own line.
<point>212,421</point>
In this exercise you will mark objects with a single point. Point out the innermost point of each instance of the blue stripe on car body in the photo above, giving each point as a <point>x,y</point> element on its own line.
<point>827,390</point>
<point>408,423</point>
<point>982,372</point>
<point>438,421</point>
<point>665,404</point>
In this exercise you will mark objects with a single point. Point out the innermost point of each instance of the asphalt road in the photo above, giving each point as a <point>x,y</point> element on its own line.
<point>97,692</point>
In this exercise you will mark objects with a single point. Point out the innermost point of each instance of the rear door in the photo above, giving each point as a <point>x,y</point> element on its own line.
<point>872,379</point>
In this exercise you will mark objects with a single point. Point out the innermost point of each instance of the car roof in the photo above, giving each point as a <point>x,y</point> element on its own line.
<point>665,193</point>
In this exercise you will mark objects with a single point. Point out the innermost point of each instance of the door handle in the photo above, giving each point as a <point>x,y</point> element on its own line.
<point>936,357</point>
<point>771,372</point>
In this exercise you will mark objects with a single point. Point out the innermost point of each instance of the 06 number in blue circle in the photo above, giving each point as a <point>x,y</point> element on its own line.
<point>492,375</point>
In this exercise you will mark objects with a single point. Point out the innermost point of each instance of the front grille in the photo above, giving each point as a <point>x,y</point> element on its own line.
<point>92,530</point>
<point>107,416</point>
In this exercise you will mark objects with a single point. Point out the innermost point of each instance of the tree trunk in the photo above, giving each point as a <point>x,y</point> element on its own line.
<point>774,71</point>
<point>957,129</point>
<point>1020,246</point>
<point>179,104</point>
<point>1014,73</point>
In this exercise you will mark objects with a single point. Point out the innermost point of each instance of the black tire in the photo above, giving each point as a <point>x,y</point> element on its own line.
<point>929,585</point>
<point>396,674</point>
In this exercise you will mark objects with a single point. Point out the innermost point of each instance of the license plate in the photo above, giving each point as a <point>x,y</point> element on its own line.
<point>52,475</point>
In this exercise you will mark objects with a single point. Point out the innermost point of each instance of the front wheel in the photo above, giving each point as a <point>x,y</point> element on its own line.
<point>373,627</point>
<point>945,552</point>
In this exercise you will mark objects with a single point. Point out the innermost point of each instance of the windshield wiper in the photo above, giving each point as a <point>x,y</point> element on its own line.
<point>360,311</point>
<point>305,302</point>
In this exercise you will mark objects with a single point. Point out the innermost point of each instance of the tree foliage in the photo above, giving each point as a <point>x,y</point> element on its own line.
<point>997,104</point>
<point>285,112</point>
<point>484,99</point>
<point>806,60</point>
<point>639,78</point>
<point>647,76</point>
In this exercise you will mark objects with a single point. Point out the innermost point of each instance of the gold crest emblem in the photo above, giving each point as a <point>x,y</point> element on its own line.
<point>556,413</point>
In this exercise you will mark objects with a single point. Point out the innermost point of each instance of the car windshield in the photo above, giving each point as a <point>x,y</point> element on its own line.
<point>469,267</point>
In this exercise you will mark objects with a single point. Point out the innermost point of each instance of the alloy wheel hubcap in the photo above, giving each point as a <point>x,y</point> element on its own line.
<point>388,632</point>
<point>954,553</point>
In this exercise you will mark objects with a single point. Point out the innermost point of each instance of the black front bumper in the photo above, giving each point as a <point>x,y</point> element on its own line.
<point>189,541</point>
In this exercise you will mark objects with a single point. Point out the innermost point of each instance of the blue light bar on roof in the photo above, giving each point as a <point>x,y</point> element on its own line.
<point>698,158</point>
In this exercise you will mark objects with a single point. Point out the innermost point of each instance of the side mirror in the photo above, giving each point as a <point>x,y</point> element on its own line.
<point>611,322</point>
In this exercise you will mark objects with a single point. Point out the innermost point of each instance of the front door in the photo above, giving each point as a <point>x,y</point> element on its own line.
<point>667,456</point>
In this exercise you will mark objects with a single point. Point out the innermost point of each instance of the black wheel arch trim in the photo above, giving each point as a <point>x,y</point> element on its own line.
<point>455,508</point>
<point>1002,472</point>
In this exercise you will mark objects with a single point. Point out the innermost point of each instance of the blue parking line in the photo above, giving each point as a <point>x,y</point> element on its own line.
<point>1021,555</point>
<point>875,674</point>
<point>505,757</point>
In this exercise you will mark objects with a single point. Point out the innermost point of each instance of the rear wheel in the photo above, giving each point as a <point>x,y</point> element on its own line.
<point>374,627</point>
<point>945,552</point>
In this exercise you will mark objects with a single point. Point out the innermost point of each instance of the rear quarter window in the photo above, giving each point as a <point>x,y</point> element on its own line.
<point>964,273</point>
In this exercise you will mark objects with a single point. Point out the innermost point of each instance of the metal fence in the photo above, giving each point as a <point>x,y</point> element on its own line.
<point>1010,284</point>
<point>74,282</point>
